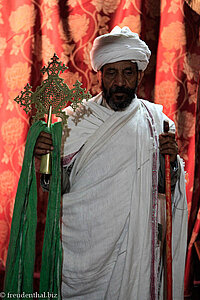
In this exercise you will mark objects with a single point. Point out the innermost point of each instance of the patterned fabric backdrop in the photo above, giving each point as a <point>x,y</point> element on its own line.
<point>30,33</point>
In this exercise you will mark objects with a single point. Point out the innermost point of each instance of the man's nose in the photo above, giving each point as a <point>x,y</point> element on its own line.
<point>119,79</point>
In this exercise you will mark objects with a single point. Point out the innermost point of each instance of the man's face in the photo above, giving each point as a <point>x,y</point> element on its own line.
<point>119,83</point>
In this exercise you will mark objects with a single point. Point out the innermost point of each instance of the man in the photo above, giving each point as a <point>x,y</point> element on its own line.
<point>113,168</point>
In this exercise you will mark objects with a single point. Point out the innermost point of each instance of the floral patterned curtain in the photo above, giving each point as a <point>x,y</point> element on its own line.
<point>32,31</point>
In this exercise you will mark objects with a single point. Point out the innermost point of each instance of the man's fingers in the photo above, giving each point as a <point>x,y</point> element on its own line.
<point>44,141</point>
<point>169,152</point>
<point>45,134</point>
<point>169,133</point>
<point>39,151</point>
<point>44,144</point>
<point>45,138</point>
<point>169,149</point>
<point>168,145</point>
<point>167,141</point>
<point>166,137</point>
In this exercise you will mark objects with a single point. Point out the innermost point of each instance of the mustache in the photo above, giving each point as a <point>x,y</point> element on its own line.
<point>120,89</point>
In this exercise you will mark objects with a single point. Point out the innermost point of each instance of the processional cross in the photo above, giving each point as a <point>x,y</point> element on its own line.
<point>50,98</point>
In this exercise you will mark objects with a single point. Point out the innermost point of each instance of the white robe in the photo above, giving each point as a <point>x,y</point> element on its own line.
<point>107,215</point>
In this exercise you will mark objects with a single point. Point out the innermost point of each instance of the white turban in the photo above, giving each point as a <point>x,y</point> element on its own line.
<point>119,44</point>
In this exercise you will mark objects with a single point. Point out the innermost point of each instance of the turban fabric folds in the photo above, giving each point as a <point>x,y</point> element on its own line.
<point>120,44</point>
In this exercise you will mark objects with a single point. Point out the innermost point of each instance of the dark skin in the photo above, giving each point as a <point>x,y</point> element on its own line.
<point>117,79</point>
<point>168,145</point>
<point>43,145</point>
<point>119,84</point>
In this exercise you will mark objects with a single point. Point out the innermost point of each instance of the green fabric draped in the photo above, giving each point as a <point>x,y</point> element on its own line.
<point>21,251</point>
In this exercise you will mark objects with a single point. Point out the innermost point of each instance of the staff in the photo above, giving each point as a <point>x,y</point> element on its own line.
<point>168,220</point>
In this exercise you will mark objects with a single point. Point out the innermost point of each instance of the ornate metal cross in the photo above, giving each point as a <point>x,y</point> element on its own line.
<point>52,95</point>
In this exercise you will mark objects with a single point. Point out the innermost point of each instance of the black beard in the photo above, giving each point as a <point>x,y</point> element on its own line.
<point>119,105</point>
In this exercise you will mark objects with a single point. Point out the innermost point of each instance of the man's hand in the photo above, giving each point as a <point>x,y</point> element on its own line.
<point>168,145</point>
<point>43,145</point>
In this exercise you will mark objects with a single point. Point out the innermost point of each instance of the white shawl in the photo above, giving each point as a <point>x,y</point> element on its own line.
<point>107,215</point>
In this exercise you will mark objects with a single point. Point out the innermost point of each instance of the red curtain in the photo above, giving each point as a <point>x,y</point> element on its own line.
<point>30,33</point>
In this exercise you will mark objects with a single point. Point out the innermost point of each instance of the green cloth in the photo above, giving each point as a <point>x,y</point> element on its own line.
<point>21,251</point>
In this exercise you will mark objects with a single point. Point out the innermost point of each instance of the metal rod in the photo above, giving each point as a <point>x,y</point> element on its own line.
<point>45,165</point>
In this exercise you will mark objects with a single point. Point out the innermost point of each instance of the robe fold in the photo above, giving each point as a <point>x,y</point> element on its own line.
<point>110,216</point>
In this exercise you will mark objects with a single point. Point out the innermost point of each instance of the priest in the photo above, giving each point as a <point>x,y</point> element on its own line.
<point>113,184</point>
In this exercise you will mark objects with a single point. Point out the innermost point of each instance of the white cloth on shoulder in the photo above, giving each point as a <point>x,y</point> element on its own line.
<point>107,215</point>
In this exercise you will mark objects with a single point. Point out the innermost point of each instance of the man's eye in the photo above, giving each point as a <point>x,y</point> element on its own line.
<point>111,72</point>
<point>128,72</point>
